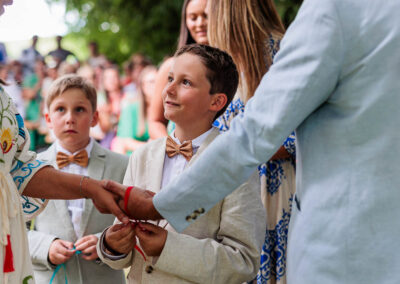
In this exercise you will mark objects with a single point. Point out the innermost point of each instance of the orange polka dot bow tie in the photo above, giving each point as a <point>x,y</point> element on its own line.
<point>81,158</point>
<point>185,149</point>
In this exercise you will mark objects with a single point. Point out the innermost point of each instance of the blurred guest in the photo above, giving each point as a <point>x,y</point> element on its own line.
<point>60,54</point>
<point>138,63</point>
<point>109,104</point>
<point>3,53</point>
<point>133,123</point>
<point>95,58</point>
<point>32,87</point>
<point>29,56</point>
<point>12,89</point>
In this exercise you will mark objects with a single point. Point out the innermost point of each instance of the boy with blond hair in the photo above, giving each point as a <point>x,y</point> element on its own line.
<point>222,246</point>
<point>67,231</point>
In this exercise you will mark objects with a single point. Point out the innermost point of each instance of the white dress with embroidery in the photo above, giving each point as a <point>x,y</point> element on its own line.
<point>17,166</point>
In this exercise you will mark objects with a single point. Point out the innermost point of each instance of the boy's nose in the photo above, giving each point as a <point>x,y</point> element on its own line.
<point>170,88</point>
<point>70,117</point>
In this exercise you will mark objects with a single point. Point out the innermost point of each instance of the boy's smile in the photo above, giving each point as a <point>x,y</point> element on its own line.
<point>71,116</point>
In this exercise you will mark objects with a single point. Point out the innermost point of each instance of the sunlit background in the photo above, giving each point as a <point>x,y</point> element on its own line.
<point>26,18</point>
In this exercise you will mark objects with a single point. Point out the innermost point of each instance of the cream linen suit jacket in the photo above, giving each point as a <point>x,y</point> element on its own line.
<point>336,78</point>
<point>55,222</point>
<point>223,246</point>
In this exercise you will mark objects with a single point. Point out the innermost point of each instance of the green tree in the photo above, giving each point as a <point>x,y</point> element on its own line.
<point>122,27</point>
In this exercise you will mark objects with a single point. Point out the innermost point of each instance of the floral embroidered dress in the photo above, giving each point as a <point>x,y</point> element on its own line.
<point>17,166</point>
<point>277,183</point>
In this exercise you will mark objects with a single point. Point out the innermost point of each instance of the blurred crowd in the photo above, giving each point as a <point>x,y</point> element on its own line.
<point>123,96</point>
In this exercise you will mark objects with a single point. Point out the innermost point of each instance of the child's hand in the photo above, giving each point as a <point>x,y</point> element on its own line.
<point>87,245</point>
<point>121,238</point>
<point>152,238</point>
<point>60,251</point>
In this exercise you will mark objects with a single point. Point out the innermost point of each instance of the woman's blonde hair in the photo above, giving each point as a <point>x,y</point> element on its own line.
<point>243,28</point>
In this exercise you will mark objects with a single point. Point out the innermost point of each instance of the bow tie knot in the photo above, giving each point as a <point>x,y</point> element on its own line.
<point>81,158</point>
<point>185,149</point>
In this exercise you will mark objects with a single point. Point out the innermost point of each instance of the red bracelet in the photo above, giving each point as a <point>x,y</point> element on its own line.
<point>126,198</point>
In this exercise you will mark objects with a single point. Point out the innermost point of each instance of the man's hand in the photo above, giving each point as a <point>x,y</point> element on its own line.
<point>140,204</point>
<point>104,200</point>
<point>60,251</point>
<point>87,245</point>
<point>152,238</point>
<point>121,238</point>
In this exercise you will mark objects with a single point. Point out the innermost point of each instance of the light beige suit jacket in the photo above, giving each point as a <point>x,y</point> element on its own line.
<point>223,246</point>
<point>55,222</point>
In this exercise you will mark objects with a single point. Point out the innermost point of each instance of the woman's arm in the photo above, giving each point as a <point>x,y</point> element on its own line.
<point>52,184</point>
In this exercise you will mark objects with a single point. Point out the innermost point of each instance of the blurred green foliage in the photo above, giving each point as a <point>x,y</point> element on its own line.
<point>122,27</point>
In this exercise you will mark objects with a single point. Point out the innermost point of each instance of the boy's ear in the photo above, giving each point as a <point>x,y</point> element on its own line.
<point>95,119</point>
<point>48,120</point>
<point>218,101</point>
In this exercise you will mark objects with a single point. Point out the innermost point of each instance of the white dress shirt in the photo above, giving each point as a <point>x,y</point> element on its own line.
<point>76,206</point>
<point>175,165</point>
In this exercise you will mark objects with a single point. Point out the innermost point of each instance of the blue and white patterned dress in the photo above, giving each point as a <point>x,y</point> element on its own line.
<point>277,182</point>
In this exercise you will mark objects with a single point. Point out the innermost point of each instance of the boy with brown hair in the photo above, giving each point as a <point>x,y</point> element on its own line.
<point>66,232</point>
<point>224,245</point>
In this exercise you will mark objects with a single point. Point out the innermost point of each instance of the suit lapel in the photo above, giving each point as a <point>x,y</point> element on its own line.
<point>60,204</point>
<point>155,165</point>
<point>95,170</point>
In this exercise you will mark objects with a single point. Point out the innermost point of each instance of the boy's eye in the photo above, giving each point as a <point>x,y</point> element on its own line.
<point>186,82</point>
<point>170,79</point>
<point>80,109</point>
<point>60,109</point>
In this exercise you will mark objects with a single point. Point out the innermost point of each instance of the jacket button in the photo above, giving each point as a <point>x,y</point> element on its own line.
<point>201,210</point>
<point>149,269</point>
<point>194,216</point>
<point>188,218</point>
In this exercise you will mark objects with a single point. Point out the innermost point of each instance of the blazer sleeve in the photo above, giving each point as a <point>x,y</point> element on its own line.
<point>233,255</point>
<point>305,72</point>
<point>39,246</point>
<point>126,261</point>
<point>116,264</point>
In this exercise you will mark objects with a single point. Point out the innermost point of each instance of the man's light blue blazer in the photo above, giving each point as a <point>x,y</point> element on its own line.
<point>336,80</point>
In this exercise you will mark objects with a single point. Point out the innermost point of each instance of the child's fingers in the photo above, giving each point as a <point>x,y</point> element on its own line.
<point>89,253</point>
<point>86,242</point>
<point>66,244</point>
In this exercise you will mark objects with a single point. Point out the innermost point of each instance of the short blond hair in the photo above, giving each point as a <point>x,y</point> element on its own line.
<point>72,81</point>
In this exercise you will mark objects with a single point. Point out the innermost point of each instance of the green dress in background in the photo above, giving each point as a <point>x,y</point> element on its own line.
<point>128,125</point>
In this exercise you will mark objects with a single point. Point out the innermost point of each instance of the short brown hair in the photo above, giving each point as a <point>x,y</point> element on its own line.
<point>72,81</point>
<point>221,70</point>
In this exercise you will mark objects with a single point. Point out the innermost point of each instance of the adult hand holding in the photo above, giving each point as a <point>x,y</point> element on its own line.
<point>140,203</point>
<point>105,201</point>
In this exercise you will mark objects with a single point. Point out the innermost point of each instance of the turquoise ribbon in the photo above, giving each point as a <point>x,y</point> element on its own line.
<point>62,265</point>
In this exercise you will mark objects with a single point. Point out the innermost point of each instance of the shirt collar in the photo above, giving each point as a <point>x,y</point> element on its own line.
<point>196,142</point>
<point>88,148</point>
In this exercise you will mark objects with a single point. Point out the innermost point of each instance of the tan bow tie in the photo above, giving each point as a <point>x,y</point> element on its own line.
<point>185,149</point>
<point>81,158</point>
